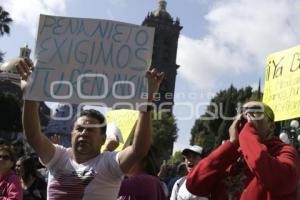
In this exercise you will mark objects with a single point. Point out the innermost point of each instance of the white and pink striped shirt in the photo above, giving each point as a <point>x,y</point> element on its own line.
<point>98,178</point>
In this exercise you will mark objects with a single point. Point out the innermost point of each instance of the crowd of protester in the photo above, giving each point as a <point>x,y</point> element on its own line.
<point>251,165</point>
<point>19,176</point>
<point>23,176</point>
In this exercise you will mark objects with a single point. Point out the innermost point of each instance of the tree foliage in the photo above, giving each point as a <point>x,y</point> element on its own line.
<point>164,134</point>
<point>177,157</point>
<point>5,21</point>
<point>1,56</point>
<point>212,127</point>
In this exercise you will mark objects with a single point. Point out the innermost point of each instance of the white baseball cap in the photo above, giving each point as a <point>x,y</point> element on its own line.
<point>195,148</point>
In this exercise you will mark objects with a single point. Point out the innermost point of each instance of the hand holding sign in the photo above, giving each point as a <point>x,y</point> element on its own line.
<point>24,68</point>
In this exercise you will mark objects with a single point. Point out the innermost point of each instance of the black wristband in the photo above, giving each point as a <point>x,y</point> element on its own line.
<point>149,108</point>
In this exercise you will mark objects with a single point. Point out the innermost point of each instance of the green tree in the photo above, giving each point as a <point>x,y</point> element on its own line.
<point>164,134</point>
<point>202,136</point>
<point>1,57</point>
<point>212,127</point>
<point>175,158</point>
<point>5,21</point>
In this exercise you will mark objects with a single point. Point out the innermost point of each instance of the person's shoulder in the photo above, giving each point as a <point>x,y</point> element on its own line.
<point>61,148</point>
<point>180,181</point>
<point>149,177</point>
<point>11,176</point>
<point>143,179</point>
<point>61,155</point>
<point>276,145</point>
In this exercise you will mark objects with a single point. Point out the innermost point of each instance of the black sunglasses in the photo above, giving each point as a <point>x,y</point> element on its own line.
<point>4,157</point>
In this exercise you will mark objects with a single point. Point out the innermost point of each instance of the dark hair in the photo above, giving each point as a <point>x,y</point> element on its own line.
<point>96,115</point>
<point>29,168</point>
<point>11,154</point>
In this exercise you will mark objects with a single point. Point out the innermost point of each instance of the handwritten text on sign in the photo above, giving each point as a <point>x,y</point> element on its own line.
<point>282,83</point>
<point>88,60</point>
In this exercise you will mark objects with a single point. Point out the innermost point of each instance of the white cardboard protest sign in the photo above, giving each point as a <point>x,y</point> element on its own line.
<point>91,61</point>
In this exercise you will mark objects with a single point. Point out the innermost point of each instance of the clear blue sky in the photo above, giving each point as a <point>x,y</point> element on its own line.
<point>222,42</point>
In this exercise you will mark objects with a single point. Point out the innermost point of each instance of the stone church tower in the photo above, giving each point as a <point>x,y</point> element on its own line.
<point>164,51</point>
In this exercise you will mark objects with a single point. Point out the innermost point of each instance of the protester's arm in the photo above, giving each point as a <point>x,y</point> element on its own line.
<point>38,141</point>
<point>31,122</point>
<point>209,171</point>
<point>278,173</point>
<point>163,170</point>
<point>143,132</point>
<point>203,178</point>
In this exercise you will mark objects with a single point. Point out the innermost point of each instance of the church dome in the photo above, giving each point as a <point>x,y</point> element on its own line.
<point>10,66</point>
<point>161,11</point>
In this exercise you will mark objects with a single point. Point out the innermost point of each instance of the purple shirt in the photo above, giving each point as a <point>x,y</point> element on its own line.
<point>141,187</point>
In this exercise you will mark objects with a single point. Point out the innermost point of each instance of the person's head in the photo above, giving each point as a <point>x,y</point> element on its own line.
<point>7,159</point>
<point>263,117</point>
<point>192,156</point>
<point>89,133</point>
<point>26,168</point>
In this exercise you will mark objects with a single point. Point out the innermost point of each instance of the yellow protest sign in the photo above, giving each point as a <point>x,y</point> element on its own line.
<point>282,83</point>
<point>125,120</point>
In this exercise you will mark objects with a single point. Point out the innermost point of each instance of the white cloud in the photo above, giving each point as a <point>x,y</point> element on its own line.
<point>240,36</point>
<point>204,61</point>
<point>26,13</point>
<point>180,146</point>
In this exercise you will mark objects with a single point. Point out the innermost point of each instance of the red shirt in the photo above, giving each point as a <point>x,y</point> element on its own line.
<point>10,187</point>
<point>267,171</point>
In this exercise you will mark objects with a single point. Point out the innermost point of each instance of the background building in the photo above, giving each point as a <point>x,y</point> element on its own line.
<point>167,31</point>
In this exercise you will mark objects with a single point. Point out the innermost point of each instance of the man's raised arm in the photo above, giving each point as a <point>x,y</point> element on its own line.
<point>143,132</point>
<point>31,122</point>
